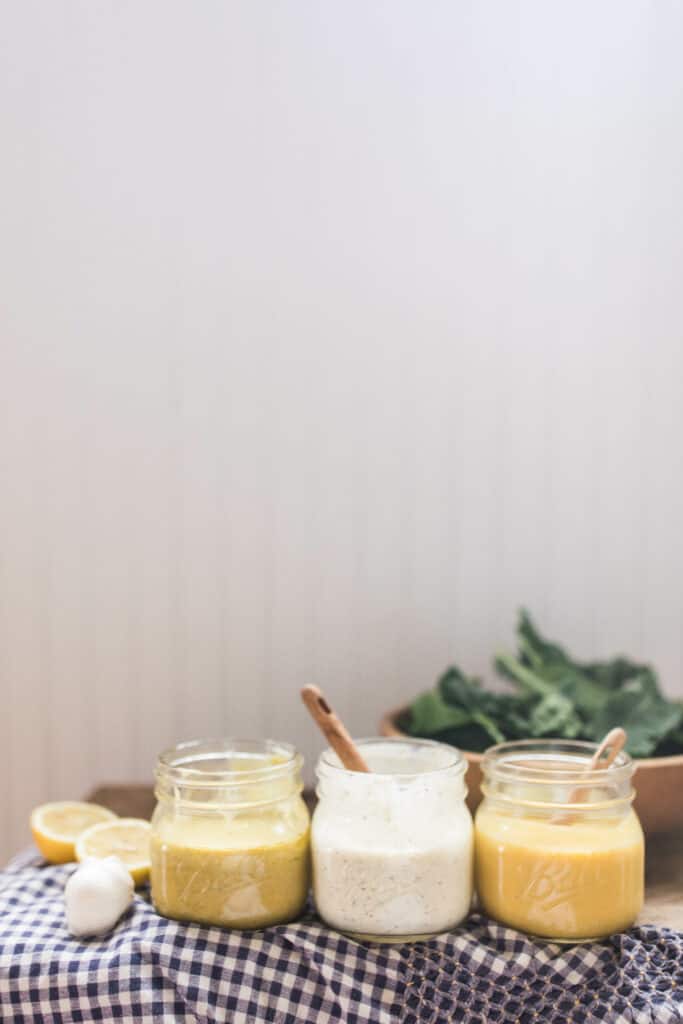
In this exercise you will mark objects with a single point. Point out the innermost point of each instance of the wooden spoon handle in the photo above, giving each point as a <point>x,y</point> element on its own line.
<point>613,743</point>
<point>334,730</point>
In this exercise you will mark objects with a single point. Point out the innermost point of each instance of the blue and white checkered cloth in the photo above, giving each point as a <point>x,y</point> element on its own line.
<point>151,969</point>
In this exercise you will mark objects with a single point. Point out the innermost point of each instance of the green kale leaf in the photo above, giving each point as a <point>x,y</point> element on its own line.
<point>641,710</point>
<point>552,695</point>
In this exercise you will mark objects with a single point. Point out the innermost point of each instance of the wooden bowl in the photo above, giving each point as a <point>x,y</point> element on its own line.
<point>658,783</point>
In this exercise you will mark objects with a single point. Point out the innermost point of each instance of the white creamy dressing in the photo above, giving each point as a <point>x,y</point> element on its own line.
<point>392,851</point>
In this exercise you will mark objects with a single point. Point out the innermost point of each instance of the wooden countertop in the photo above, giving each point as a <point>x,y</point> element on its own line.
<point>664,855</point>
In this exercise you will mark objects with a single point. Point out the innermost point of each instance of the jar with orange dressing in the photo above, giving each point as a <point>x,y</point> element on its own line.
<point>559,851</point>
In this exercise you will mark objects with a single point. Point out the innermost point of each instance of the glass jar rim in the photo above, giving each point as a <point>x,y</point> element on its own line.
<point>178,764</point>
<point>523,761</point>
<point>457,763</point>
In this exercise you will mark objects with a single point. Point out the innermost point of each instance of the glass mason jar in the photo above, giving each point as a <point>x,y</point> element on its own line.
<point>230,833</point>
<point>392,848</point>
<point>558,848</point>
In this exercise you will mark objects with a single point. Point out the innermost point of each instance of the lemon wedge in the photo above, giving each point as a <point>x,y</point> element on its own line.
<point>57,826</point>
<point>125,838</point>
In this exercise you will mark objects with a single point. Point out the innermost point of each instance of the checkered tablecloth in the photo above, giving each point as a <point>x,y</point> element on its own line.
<point>150,969</point>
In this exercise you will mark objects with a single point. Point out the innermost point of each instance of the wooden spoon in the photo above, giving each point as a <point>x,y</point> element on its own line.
<point>334,730</point>
<point>613,744</point>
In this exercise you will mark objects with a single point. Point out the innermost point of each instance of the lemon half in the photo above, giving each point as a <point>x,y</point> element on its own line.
<point>57,826</point>
<point>126,838</point>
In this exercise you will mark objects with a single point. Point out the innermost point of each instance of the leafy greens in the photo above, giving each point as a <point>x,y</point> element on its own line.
<point>553,695</point>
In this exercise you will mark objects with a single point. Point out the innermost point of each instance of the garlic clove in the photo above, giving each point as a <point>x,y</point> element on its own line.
<point>96,895</point>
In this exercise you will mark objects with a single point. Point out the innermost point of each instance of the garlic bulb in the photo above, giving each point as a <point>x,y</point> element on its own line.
<point>96,895</point>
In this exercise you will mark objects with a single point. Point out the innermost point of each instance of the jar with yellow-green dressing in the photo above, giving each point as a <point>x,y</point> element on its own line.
<point>230,834</point>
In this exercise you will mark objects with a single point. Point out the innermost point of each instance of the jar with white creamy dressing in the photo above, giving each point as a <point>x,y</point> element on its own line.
<point>392,848</point>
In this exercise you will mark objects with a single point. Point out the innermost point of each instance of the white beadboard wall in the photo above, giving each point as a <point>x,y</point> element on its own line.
<point>329,334</point>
